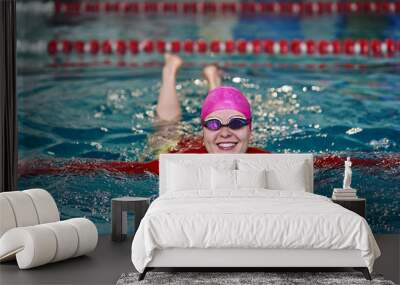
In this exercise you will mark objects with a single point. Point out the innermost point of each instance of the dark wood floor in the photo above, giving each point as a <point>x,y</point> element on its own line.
<point>102,266</point>
<point>110,259</point>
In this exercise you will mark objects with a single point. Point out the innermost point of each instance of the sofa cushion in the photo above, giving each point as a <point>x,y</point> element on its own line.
<point>40,244</point>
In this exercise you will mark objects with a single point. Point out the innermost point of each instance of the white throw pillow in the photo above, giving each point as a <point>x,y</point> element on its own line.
<point>223,179</point>
<point>181,177</point>
<point>280,174</point>
<point>251,178</point>
<point>185,175</point>
<point>293,180</point>
<point>226,179</point>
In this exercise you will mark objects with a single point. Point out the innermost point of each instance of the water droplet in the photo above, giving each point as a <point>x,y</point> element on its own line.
<point>150,113</point>
<point>383,143</point>
<point>287,88</point>
<point>236,80</point>
<point>353,131</point>
<point>139,116</point>
<point>197,82</point>
<point>97,145</point>
<point>136,93</point>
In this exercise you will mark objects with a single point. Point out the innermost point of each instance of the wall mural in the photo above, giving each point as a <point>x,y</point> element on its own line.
<point>87,124</point>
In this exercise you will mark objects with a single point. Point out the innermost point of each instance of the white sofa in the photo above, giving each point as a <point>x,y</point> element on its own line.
<point>31,231</point>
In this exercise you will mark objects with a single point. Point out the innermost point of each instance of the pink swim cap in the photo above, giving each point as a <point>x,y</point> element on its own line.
<point>226,97</point>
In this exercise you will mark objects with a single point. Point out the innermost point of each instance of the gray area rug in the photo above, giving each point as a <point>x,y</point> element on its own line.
<point>228,278</point>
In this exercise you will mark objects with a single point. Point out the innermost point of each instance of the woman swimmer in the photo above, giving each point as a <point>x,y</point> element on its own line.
<point>225,116</point>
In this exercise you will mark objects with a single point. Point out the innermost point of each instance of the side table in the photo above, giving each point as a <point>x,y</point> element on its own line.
<point>357,205</point>
<point>119,211</point>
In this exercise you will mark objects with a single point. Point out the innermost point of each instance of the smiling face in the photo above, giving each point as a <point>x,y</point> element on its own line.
<point>226,140</point>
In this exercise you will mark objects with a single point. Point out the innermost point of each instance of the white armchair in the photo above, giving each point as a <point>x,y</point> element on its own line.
<point>31,230</point>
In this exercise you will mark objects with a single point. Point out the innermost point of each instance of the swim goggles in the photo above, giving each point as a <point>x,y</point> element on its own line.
<point>234,124</point>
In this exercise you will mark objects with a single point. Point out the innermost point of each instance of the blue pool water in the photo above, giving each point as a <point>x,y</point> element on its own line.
<point>106,112</point>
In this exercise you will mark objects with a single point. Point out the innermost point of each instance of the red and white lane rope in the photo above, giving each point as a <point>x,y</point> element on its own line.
<point>223,64</point>
<point>57,166</point>
<point>205,7</point>
<point>190,7</point>
<point>348,47</point>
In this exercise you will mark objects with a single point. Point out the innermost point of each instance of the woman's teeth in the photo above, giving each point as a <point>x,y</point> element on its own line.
<point>226,145</point>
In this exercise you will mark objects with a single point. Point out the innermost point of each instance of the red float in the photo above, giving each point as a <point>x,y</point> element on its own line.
<point>150,7</point>
<point>323,47</point>
<point>94,47</point>
<point>215,46</point>
<point>175,46</point>
<point>248,7</point>
<point>268,46</point>
<point>134,46</point>
<point>376,47</point>
<point>121,47</point>
<point>188,46</point>
<point>92,7</point>
<point>170,7</point>
<point>364,46</point>
<point>148,46</point>
<point>106,47</point>
<point>190,7</point>
<point>336,47</point>
<point>131,7</point>
<point>241,46</point>
<point>52,47</point>
<point>310,44</point>
<point>391,46</point>
<point>349,46</point>
<point>295,47</point>
<point>79,46</point>
<point>201,46</point>
<point>266,7</point>
<point>229,46</point>
<point>256,44</point>
<point>228,7</point>
<point>208,7</point>
<point>66,46</point>
<point>112,7</point>
<point>283,46</point>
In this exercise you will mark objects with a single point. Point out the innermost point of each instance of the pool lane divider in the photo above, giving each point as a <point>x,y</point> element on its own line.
<point>223,64</point>
<point>207,7</point>
<point>83,167</point>
<point>349,47</point>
